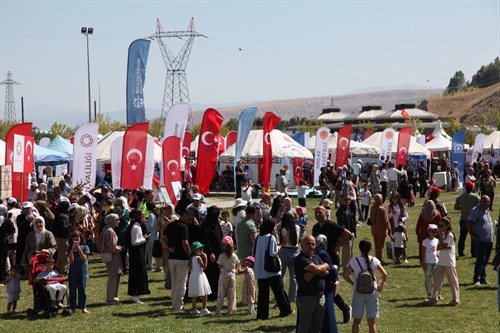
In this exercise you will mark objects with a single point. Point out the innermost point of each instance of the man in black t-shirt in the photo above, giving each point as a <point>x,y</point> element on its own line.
<point>179,250</point>
<point>239,174</point>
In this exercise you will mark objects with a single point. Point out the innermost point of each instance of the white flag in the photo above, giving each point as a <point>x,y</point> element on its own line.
<point>85,155</point>
<point>321,151</point>
<point>18,156</point>
<point>478,146</point>
<point>176,120</point>
<point>386,143</point>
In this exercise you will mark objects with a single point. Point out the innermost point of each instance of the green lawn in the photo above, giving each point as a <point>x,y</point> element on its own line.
<point>402,306</point>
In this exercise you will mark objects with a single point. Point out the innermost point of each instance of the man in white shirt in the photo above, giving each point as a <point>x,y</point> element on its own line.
<point>392,175</point>
<point>33,192</point>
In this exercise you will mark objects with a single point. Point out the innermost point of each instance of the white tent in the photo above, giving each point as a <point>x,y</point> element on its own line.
<point>439,143</point>
<point>414,149</point>
<point>357,148</point>
<point>440,131</point>
<point>492,140</point>
<point>104,147</point>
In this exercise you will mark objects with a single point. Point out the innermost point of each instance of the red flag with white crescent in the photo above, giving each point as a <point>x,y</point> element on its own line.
<point>20,129</point>
<point>343,146</point>
<point>186,144</point>
<point>135,142</point>
<point>171,152</point>
<point>29,148</point>
<point>231,138</point>
<point>270,122</point>
<point>297,170</point>
<point>208,149</point>
<point>222,143</point>
<point>403,145</point>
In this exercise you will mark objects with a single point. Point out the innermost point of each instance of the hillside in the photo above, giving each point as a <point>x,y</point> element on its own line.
<point>311,107</point>
<point>467,106</point>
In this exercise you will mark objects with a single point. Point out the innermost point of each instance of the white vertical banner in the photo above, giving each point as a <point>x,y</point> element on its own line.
<point>321,151</point>
<point>176,120</point>
<point>421,140</point>
<point>149,168</point>
<point>116,161</point>
<point>18,156</point>
<point>386,143</point>
<point>478,146</point>
<point>85,156</point>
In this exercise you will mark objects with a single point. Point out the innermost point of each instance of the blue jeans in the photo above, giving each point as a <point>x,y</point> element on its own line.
<point>78,281</point>
<point>483,251</point>
<point>287,257</point>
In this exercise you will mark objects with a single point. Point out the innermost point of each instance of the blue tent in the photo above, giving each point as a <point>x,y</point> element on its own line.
<point>45,156</point>
<point>61,145</point>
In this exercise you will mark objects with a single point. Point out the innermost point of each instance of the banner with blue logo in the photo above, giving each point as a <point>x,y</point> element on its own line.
<point>458,151</point>
<point>136,74</point>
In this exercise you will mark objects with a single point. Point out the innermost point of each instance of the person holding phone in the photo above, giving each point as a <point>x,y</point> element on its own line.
<point>78,272</point>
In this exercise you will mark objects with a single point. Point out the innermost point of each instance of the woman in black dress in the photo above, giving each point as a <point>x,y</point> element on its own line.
<point>212,239</point>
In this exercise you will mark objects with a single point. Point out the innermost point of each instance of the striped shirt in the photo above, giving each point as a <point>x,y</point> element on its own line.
<point>482,224</point>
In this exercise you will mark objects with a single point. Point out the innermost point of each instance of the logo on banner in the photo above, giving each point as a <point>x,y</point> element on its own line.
<point>204,138</point>
<point>131,152</point>
<point>29,151</point>
<point>458,148</point>
<point>267,138</point>
<point>323,134</point>
<point>389,135</point>
<point>138,102</point>
<point>86,140</point>
<point>343,143</point>
<point>19,149</point>
<point>176,164</point>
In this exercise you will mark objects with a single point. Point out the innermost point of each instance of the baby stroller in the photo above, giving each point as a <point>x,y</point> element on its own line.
<point>41,297</point>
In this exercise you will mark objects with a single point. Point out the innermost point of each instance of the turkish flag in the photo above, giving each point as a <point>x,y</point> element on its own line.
<point>171,152</point>
<point>270,122</point>
<point>297,170</point>
<point>208,149</point>
<point>231,138</point>
<point>343,146</point>
<point>403,145</point>
<point>367,134</point>
<point>405,113</point>
<point>260,167</point>
<point>186,144</point>
<point>20,129</point>
<point>222,143</point>
<point>29,156</point>
<point>135,142</point>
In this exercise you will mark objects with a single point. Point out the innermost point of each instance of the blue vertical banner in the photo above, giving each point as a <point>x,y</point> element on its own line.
<point>136,75</point>
<point>458,151</point>
<point>245,124</point>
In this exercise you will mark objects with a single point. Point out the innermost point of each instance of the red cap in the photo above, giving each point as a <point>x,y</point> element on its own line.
<point>435,190</point>
<point>469,186</point>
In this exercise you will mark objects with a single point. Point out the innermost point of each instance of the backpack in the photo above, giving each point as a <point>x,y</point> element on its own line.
<point>365,282</point>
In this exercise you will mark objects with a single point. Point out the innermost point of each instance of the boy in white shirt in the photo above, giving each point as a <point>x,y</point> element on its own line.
<point>399,243</point>
<point>365,195</point>
<point>301,193</point>
<point>225,224</point>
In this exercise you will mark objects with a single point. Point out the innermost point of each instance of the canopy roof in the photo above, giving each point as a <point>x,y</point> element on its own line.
<point>492,140</point>
<point>61,145</point>
<point>414,149</point>
<point>440,131</point>
<point>46,156</point>
<point>283,146</point>
<point>104,147</point>
<point>439,143</point>
<point>357,148</point>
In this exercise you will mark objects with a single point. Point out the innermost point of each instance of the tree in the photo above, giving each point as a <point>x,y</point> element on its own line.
<point>487,75</point>
<point>452,126</point>
<point>5,127</point>
<point>156,127</point>
<point>60,129</point>
<point>106,124</point>
<point>457,82</point>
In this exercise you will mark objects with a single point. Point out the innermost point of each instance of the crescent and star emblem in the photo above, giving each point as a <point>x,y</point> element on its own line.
<point>30,150</point>
<point>204,138</point>
<point>343,145</point>
<point>174,162</point>
<point>267,138</point>
<point>130,153</point>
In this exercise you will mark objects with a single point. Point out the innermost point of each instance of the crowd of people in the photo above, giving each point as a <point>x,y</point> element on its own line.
<point>201,250</point>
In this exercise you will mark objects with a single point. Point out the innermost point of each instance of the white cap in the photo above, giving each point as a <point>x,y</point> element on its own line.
<point>74,206</point>
<point>27,204</point>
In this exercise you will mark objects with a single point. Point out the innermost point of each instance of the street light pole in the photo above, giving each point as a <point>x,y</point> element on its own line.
<point>88,31</point>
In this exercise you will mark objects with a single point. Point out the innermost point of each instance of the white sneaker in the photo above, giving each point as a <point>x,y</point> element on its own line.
<point>137,300</point>
<point>195,312</point>
<point>204,311</point>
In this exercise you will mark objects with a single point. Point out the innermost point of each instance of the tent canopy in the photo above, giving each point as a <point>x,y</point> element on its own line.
<point>46,156</point>
<point>439,143</point>
<point>492,140</point>
<point>414,149</point>
<point>440,131</point>
<point>283,146</point>
<point>104,147</point>
<point>357,148</point>
<point>61,145</point>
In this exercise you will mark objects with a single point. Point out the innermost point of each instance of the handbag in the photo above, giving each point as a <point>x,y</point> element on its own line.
<point>106,257</point>
<point>271,264</point>
<point>157,252</point>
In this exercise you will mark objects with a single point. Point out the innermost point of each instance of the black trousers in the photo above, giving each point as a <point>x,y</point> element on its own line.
<point>384,190</point>
<point>276,284</point>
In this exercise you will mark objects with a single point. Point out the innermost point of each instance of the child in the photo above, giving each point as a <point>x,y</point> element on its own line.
<point>228,263</point>
<point>225,224</point>
<point>78,272</point>
<point>429,187</point>
<point>412,201</point>
<point>302,221</point>
<point>429,245</point>
<point>13,288</point>
<point>446,264</point>
<point>198,282</point>
<point>55,288</point>
<point>399,243</point>
<point>246,190</point>
<point>249,284</point>
<point>365,201</point>
<point>301,192</point>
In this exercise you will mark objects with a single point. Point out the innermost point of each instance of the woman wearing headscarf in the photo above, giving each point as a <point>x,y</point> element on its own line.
<point>39,240</point>
<point>61,229</point>
<point>329,321</point>
<point>136,244</point>
<point>109,244</point>
<point>5,229</point>
<point>44,210</point>
<point>375,179</point>
<point>380,226</point>
<point>212,239</point>
<point>428,215</point>
<point>165,220</point>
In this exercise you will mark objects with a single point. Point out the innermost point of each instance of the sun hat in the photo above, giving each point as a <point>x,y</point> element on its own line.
<point>227,240</point>
<point>196,245</point>
<point>239,203</point>
<point>432,227</point>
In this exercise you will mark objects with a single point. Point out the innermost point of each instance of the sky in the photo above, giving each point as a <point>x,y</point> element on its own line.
<point>253,50</point>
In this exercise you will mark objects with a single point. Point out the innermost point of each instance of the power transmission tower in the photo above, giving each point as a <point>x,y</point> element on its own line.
<point>176,88</point>
<point>10,104</point>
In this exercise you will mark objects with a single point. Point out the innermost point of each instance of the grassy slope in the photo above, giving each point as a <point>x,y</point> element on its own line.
<point>402,307</point>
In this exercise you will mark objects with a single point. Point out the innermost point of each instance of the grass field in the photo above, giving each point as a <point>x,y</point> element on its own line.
<point>402,302</point>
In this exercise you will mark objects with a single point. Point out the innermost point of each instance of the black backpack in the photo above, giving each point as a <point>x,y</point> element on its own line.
<point>365,282</point>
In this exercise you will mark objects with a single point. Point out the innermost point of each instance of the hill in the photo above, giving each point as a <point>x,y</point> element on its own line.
<point>311,107</point>
<point>469,105</point>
